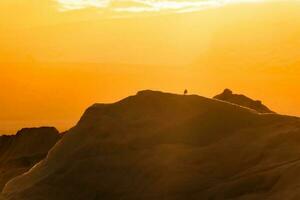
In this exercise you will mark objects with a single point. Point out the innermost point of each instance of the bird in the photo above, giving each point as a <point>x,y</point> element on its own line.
<point>185,92</point>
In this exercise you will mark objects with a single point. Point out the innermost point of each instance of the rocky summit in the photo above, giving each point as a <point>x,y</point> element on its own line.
<point>243,100</point>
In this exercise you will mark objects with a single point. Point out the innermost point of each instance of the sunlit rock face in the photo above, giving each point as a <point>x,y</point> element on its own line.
<point>242,100</point>
<point>158,145</point>
<point>20,152</point>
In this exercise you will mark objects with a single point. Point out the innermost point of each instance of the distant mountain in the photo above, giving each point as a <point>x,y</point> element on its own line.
<point>158,145</point>
<point>20,152</point>
<point>242,100</point>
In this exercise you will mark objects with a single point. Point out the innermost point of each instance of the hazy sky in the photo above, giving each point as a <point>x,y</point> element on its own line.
<point>140,6</point>
<point>59,57</point>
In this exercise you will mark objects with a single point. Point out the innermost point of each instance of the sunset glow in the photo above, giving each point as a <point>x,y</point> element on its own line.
<point>148,5</point>
<point>68,54</point>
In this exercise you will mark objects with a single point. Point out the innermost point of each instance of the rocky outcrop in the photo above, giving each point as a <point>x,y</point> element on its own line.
<point>20,152</point>
<point>244,101</point>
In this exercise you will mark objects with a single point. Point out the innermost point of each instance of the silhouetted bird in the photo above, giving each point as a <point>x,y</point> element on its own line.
<point>185,92</point>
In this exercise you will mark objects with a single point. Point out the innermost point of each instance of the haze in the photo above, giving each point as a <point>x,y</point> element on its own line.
<point>57,59</point>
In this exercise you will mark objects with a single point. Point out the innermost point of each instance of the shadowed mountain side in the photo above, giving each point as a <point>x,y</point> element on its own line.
<point>242,100</point>
<point>18,153</point>
<point>158,145</point>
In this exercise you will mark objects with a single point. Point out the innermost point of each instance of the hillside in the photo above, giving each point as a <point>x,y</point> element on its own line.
<point>158,145</point>
<point>242,100</point>
<point>20,152</point>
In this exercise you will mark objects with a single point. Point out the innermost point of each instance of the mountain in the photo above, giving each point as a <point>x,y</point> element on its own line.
<point>157,145</point>
<point>242,100</point>
<point>20,152</point>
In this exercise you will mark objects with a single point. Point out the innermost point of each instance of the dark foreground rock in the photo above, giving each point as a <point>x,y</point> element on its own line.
<point>20,152</point>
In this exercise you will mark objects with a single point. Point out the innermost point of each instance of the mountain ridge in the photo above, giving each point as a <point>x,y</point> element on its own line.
<point>156,145</point>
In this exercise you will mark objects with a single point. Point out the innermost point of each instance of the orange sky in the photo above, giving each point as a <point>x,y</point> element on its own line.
<point>55,64</point>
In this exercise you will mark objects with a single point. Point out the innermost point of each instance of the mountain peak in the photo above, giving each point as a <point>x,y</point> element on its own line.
<point>242,100</point>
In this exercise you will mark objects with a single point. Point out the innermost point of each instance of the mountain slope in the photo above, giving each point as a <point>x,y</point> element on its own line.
<point>157,145</point>
<point>18,153</point>
<point>242,100</point>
